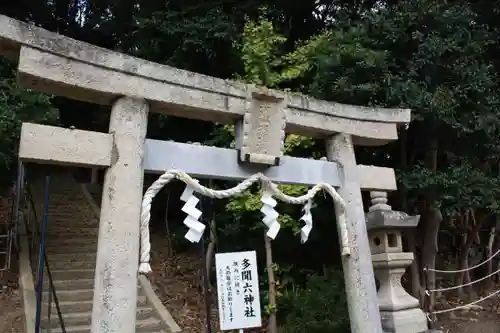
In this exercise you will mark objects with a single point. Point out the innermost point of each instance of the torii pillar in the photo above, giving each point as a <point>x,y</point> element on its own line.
<point>114,298</point>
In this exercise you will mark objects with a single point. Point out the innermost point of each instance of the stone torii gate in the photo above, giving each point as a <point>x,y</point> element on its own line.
<point>59,65</point>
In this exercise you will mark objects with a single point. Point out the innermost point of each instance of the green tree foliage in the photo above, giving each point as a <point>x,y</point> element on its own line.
<point>428,56</point>
<point>17,105</point>
<point>309,309</point>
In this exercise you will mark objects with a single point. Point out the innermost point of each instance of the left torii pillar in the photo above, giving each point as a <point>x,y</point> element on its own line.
<point>115,301</point>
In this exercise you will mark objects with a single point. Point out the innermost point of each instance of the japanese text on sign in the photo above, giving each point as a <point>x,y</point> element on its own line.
<point>238,290</point>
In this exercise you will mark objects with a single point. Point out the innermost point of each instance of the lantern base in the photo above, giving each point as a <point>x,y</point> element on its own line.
<point>405,321</point>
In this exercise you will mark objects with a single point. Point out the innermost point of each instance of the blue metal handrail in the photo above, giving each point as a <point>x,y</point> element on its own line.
<point>41,256</point>
<point>24,192</point>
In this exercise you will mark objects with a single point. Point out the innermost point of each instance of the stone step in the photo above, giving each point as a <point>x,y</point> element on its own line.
<point>77,284</point>
<point>65,198</point>
<point>71,216</point>
<point>64,201</point>
<point>72,263</point>
<point>67,258</point>
<point>67,215</point>
<point>84,318</point>
<point>54,192</point>
<point>76,230</point>
<point>69,203</point>
<point>79,306</point>
<point>67,231</point>
<point>55,214</point>
<point>72,295</point>
<point>150,325</point>
<point>83,248</point>
<point>67,274</point>
<point>63,274</point>
<point>56,240</point>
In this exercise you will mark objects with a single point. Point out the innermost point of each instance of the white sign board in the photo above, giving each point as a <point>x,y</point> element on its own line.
<point>238,290</point>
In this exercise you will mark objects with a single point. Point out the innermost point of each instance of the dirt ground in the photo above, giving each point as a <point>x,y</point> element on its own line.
<point>175,278</point>
<point>11,311</point>
<point>11,308</point>
<point>483,317</point>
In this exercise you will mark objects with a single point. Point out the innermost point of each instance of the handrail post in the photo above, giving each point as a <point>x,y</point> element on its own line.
<point>49,306</point>
<point>17,204</point>
<point>41,256</point>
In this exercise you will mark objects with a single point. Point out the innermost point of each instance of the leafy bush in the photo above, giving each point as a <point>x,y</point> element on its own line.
<point>319,307</point>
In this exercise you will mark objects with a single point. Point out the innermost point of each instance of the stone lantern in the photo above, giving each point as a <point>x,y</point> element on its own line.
<point>400,312</point>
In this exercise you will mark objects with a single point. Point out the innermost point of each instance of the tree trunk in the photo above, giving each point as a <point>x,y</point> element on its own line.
<point>498,269</point>
<point>432,218</point>
<point>272,325</point>
<point>489,252</point>
<point>429,252</point>
<point>463,263</point>
<point>464,277</point>
<point>416,288</point>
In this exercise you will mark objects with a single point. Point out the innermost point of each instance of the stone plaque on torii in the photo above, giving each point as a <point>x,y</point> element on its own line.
<point>59,65</point>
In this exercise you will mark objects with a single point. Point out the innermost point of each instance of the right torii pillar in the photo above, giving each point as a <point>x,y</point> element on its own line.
<point>358,271</point>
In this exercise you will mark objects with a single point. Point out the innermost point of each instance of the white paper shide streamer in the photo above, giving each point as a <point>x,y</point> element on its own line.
<point>307,218</point>
<point>270,218</point>
<point>196,228</point>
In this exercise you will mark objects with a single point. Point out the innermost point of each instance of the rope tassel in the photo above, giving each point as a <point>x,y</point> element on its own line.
<point>270,218</point>
<point>196,228</point>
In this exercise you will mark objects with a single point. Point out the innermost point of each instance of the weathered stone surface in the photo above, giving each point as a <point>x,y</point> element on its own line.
<point>264,124</point>
<point>389,268</point>
<point>381,219</point>
<point>385,241</point>
<point>374,177</point>
<point>64,146</point>
<point>114,304</point>
<point>407,321</point>
<point>358,271</point>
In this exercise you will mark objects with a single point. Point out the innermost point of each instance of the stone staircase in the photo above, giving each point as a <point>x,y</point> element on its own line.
<point>71,246</point>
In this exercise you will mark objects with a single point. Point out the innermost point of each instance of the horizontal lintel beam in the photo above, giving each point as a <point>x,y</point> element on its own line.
<point>56,145</point>
<point>64,146</point>
<point>221,163</point>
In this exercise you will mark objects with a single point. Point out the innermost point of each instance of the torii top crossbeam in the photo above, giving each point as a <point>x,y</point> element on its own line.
<point>100,76</point>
